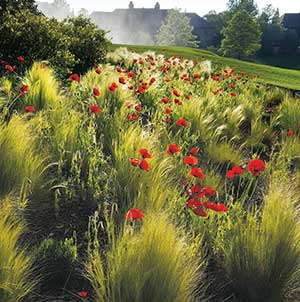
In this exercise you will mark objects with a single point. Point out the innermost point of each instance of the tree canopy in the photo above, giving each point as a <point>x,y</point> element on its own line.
<point>177,30</point>
<point>242,35</point>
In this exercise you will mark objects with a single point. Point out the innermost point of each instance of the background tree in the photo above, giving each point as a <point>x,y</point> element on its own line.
<point>237,5</point>
<point>177,30</point>
<point>242,36</point>
<point>272,30</point>
<point>84,13</point>
<point>218,21</point>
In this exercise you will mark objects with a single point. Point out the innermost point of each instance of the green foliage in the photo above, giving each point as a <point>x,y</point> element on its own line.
<point>176,30</point>
<point>86,42</point>
<point>153,264</point>
<point>17,6</point>
<point>17,280</point>
<point>242,35</point>
<point>237,5</point>
<point>56,260</point>
<point>35,38</point>
<point>71,46</point>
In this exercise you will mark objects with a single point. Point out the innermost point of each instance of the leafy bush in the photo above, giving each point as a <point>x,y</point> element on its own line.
<point>71,46</point>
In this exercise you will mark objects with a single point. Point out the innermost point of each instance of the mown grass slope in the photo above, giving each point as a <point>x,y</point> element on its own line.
<point>276,76</point>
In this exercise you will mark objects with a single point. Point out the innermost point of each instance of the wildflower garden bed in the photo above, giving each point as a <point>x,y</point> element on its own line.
<point>148,179</point>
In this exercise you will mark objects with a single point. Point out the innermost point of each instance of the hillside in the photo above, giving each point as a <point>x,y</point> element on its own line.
<point>280,77</point>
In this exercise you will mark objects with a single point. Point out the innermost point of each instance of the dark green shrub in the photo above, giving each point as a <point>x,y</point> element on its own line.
<point>56,261</point>
<point>69,46</point>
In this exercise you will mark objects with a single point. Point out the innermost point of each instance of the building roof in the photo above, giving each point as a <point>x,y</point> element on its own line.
<point>148,13</point>
<point>291,20</point>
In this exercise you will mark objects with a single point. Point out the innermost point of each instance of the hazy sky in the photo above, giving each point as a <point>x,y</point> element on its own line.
<point>199,6</point>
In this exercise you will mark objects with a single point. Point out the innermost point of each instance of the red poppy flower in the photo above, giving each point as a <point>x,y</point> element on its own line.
<point>234,94</point>
<point>187,97</point>
<point>24,89</point>
<point>122,80</point>
<point>256,166</point>
<point>168,111</point>
<point>129,117</point>
<point>98,70</point>
<point>145,153</point>
<point>168,121</point>
<point>83,294</point>
<point>209,192</point>
<point>21,59</point>
<point>176,93</point>
<point>196,206</point>
<point>197,76</point>
<point>138,107</point>
<point>113,87</point>
<point>165,100</point>
<point>182,123</point>
<point>215,92</point>
<point>230,174</point>
<point>119,69</point>
<point>9,68</point>
<point>232,86</point>
<point>74,77</point>
<point>134,162</point>
<point>290,132</point>
<point>194,151</point>
<point>130,74</point>
<point>134,116</point>
<point>130,87</point>
<point>95,108</point>
<point>96,92</point>
<point>191,161</point>
<point>237,170</point>
<point>172,149</point>
<point>144,165</point>
<point>215,207</point>
<point>197,172</point>
<point>141,89</point>
<point>29,109</point>
<point>152,80</point>
<point>134,214</point>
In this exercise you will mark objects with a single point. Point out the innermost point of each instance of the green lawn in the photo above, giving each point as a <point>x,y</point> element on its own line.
<point>281,77</point>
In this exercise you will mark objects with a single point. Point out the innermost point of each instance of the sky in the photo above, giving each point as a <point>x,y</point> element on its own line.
<point>201,7</point>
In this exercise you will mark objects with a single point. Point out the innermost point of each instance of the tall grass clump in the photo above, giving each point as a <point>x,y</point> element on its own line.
<point>262,251</point>
<point>153,264</point>
<point>289,112</point>
<point>19,161</point>
<point>16,275</point>
<point>43,87</point>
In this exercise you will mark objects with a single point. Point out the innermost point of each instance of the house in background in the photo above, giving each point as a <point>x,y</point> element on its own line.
<point>292,22</point>
<point>140,25</point>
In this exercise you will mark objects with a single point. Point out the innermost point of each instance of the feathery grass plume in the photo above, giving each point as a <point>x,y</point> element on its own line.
<point>17,279</point>
<point>19,160</point>
<point>129,181</point>
<point>150,264</point>
<point>289,114</point>
<point>43,87</point>
<point>262,250</point>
